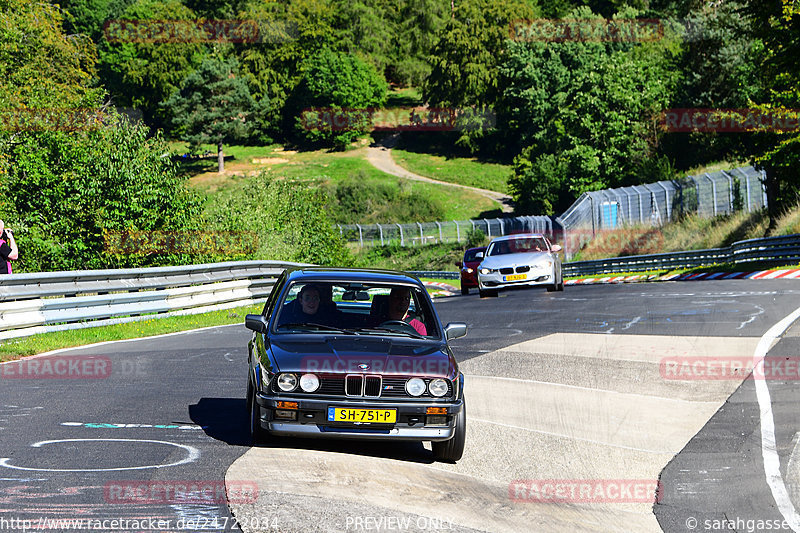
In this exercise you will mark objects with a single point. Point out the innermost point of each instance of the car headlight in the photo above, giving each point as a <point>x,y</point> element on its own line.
<point>287,382</point>
<point>415,387</point>
<point>485,271</point>
<point>437,387</point>
<point>468,270</point>
<point>309,382</point>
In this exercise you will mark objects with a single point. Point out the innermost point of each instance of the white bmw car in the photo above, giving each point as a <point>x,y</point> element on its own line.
<point>527,259</point>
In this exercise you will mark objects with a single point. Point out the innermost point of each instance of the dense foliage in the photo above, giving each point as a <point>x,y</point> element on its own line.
<point>571,114</point>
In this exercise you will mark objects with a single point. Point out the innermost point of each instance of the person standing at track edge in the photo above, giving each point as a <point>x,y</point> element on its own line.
<point>8,249</point>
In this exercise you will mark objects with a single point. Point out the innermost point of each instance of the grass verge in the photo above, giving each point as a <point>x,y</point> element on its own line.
<point>45,342</point>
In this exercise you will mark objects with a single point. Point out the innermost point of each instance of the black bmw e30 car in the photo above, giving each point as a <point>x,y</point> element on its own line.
<point>355,354</point>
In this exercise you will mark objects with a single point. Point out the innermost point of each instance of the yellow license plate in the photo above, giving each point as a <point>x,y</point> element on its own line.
<point>364,416</point>
<point>516,277</point>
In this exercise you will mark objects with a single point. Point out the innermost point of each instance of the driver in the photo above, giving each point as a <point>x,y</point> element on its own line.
<point>399,300</point>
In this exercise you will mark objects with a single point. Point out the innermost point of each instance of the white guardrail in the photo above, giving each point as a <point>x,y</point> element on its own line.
<point>56,301</point>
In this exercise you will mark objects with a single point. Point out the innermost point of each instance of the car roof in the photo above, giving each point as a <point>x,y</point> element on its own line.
<point>518,236</point>
<point>351,274</point>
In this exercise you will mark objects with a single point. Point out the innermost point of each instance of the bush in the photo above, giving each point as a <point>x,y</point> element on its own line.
<point>64,190</point>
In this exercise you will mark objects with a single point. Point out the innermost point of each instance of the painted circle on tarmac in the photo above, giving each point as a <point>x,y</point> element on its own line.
<point>192,454</point>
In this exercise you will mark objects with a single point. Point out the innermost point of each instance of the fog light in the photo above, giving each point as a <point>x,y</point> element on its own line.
<point>436,421</point>
<point>288,415</point>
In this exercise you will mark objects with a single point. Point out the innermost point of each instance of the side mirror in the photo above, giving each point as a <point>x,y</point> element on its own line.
<point>257,323</point>
<point>556,248</point>
<point>454,330</point>
<point>458,264</point>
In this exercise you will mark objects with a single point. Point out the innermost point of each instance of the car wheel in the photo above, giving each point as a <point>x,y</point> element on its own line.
<point>452,450</point>
<point>464,290</point>
<point>551,288</point>
<point>560,285</point>
<point>257,433</point>
<point>487,293</point>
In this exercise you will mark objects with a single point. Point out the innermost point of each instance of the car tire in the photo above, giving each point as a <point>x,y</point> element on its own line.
<point>487,293</point>
<point>552,288</point>
<point>257,433</point>
<point>560,287</point>
<point>451,450</point>
<point>464,290</point>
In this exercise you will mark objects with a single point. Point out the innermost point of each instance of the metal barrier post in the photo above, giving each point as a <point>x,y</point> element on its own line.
<point>380,229</point>
<point>402,242</point>
<point>713,191</point>
<point>458,232</point>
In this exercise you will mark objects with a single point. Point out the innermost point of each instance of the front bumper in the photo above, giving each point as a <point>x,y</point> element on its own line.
<point>468,279</point>
<point>312,419</point>
<point>496,280</point>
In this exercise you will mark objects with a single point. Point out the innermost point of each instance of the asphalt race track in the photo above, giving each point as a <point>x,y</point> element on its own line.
<point>587,411</point>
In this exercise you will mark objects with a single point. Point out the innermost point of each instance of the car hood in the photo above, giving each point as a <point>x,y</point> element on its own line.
<point>505,260</point>
<point>349,355</point>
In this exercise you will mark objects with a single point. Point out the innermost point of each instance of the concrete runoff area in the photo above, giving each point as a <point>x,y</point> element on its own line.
<point>590,407</point>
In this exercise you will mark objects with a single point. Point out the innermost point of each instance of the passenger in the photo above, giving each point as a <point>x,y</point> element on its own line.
<point>399,300</point>
<point>308,307</point>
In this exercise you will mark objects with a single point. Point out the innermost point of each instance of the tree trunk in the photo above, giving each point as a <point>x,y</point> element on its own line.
<point>220,158</point>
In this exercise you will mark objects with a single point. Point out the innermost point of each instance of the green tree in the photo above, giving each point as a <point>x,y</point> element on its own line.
<point>468,51</point>
<point>340,84</point>
<point>66,189</point>
<point>41,67</point>
<point>214,106</point>
<point>141,73</point>
<point>584,115</point>
<point>777,25</point>
<point>272,65</point>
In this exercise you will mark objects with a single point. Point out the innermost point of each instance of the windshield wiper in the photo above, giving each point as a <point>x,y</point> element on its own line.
<point>414,335</point>
<point>316,326</point>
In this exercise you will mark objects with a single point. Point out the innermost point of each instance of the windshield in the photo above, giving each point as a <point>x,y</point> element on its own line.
<point>518,246</point>
<point>472,255</point>
<point>356,309</point>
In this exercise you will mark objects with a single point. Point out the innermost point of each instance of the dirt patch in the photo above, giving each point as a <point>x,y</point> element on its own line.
<point>269,160</point>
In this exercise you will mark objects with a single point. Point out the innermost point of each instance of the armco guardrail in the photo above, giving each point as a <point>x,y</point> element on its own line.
<point>54,301</point>
<point>770,249</point>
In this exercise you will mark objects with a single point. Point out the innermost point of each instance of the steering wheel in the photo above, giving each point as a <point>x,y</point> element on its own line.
<point>404,327</point>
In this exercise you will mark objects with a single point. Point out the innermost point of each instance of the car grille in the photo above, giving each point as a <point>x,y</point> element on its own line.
<point>519,269</point>
<point>374,387</point>
<point>361,385</point>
